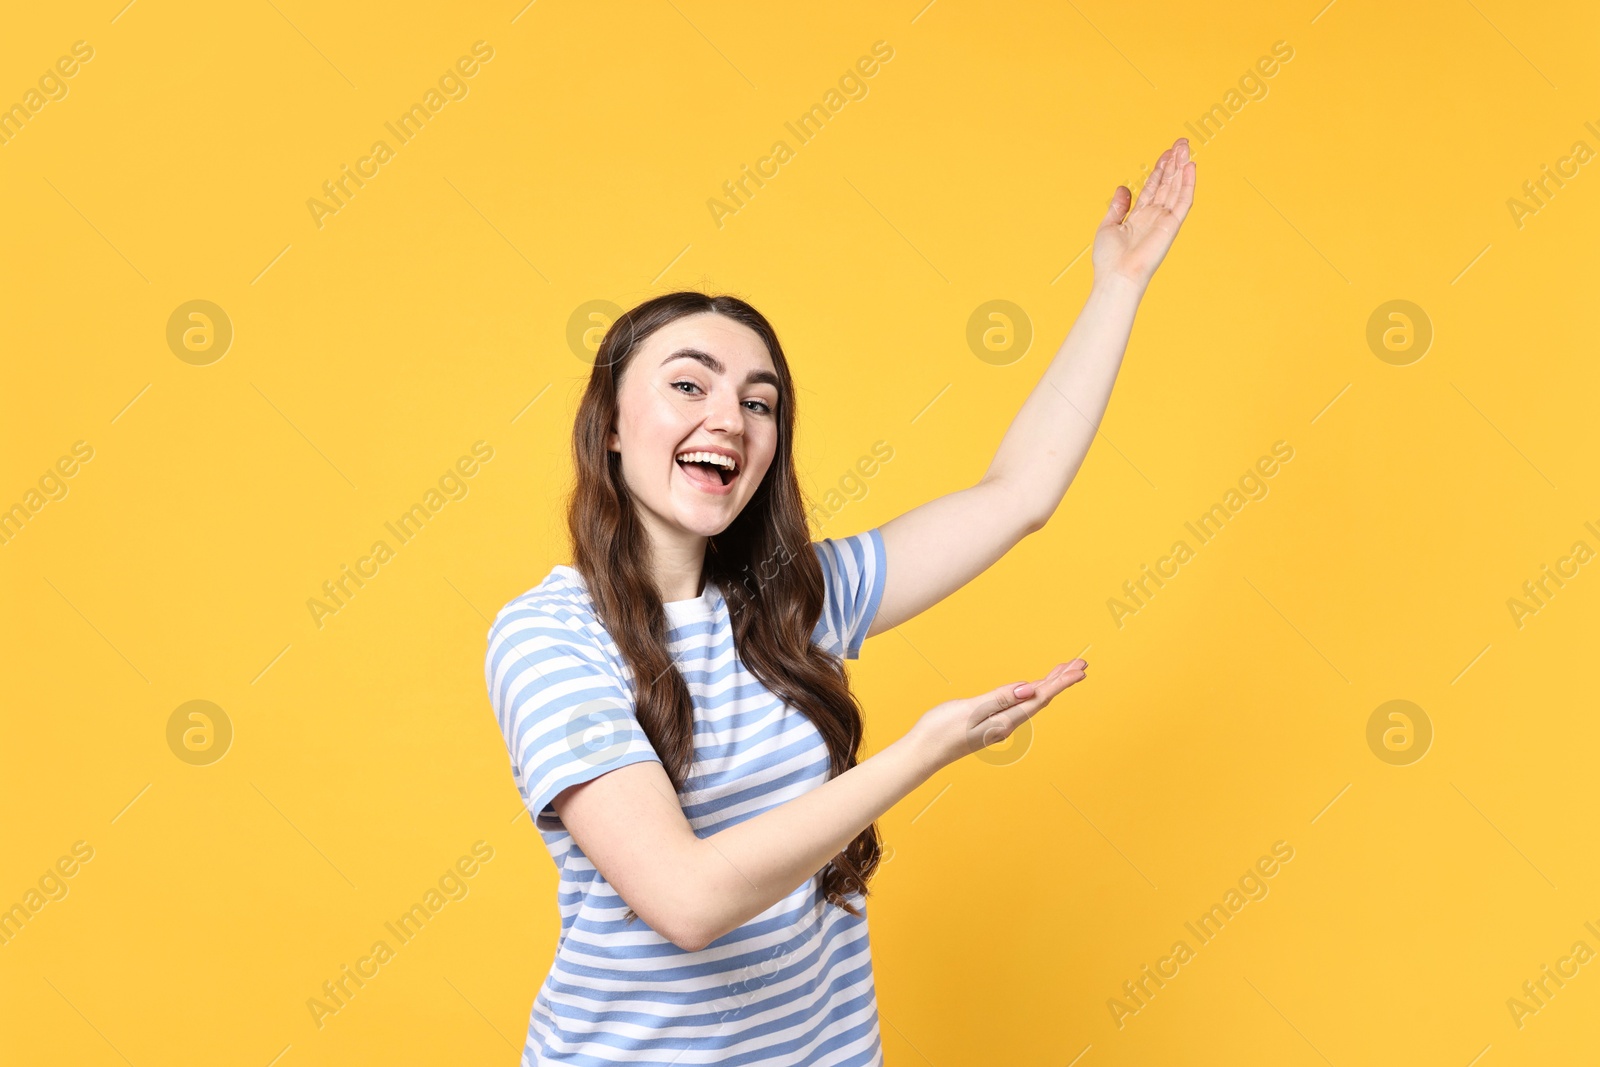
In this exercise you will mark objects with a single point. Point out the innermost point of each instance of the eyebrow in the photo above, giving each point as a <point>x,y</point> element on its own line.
<point>755,377</point>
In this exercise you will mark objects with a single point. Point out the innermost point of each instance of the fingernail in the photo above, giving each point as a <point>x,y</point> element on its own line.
<point>1021,691</point>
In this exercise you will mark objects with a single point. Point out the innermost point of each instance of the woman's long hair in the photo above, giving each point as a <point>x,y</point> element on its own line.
<point>762,563</point>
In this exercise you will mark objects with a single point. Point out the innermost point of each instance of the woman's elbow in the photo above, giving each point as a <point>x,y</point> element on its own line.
<point>690,942</point>
<point>677,909</point>
<point>688,930</point>
<point>671,922</point>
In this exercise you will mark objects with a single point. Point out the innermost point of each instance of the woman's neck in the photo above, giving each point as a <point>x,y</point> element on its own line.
<point>678,567</point>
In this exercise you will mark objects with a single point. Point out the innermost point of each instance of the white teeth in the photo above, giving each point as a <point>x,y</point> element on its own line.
<point>725,462</point>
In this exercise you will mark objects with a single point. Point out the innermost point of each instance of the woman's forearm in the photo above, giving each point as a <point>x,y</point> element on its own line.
<point>1048,439</point>
<point>749,867</point>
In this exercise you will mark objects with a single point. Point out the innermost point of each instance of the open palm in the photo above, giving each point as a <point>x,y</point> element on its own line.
<point>1133,243</point>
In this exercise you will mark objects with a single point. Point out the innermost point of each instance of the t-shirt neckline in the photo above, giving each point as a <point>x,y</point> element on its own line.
<point>695,609</point>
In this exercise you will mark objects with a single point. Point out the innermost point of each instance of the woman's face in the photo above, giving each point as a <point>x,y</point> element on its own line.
<point>701,383</point>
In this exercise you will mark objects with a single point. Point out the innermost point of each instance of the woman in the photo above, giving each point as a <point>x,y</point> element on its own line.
<point>675,704</point>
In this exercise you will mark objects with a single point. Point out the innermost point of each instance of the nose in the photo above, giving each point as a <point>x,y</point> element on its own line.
<point>724,412</point>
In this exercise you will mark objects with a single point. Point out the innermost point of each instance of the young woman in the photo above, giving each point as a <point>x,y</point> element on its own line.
<point>675,703</point>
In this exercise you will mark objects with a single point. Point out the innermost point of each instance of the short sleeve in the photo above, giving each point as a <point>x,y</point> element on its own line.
<point>853,570</point>
<point>563,712</point>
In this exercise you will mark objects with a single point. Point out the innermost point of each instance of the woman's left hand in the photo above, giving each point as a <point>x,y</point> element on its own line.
<point>1132,244</point>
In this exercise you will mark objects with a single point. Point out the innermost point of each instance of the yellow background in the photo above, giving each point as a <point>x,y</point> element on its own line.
<point>432,309</point>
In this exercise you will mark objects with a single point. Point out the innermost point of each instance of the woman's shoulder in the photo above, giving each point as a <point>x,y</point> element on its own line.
<point>561,598</point>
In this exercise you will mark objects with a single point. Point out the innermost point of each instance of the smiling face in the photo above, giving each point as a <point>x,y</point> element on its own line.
<point>705,386</point>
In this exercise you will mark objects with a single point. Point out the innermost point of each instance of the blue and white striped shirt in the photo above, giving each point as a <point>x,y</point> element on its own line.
<point>791,986</point>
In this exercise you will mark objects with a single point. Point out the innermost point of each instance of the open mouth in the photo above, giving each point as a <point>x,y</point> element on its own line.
<point>708,470</point>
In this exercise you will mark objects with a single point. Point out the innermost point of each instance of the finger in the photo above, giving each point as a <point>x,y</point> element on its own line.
<point>1180,164</point>
<point>1185,195</point>
<point>1079,664</point>
<point>1012,695</point>
<point>1153,184</point>
<point>1060,680</point>
<point>1002,723</point>
<point>1046,689</point>
<point>1121,198</point>
<point>998,700</point>
<point>1159,199</point>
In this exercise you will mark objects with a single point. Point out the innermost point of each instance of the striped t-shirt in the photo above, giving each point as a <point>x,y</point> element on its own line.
<point>791,986</point>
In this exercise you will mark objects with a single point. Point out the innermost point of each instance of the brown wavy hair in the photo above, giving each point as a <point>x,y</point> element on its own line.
<point>773,615</point>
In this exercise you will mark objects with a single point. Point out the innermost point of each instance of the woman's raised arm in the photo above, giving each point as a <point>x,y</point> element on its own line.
<point>938,547</point>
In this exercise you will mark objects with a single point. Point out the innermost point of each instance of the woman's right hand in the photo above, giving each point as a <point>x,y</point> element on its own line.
<point>958,728</point>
